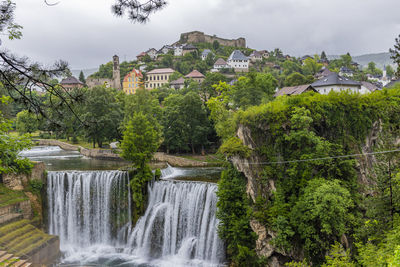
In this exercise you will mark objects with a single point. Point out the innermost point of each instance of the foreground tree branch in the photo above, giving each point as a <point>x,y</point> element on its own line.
<point>137,11</point>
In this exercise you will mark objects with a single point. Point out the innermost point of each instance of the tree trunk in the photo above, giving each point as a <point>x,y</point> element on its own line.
<point>202,150</point>
<point>193,151</point>
<point>94,143</point>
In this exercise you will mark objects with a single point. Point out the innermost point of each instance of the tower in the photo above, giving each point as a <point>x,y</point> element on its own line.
<point>116,73</point>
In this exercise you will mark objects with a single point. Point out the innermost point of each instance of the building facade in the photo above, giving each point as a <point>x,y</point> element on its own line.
<point>132,81</point>
<point>238,61</point>
<point>336,83</point>
<point>157,78</point>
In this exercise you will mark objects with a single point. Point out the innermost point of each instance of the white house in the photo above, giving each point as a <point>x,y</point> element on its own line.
<point>336,83</point>
<point>205,53</point>
<point>344,71</point>
<point>367,87</point>
<point>165,49</point>
<point>238,61</point>
<point>152,52</point>
<point>178,50</point>
<point>256,56</point>
<point>221,64</point>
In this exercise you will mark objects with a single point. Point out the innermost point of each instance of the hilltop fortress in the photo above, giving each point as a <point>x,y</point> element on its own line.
<point>200,37</point>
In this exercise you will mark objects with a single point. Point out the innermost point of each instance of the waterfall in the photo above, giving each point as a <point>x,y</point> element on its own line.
<point>179,222</point>
<point>172,172</point>
<point>88,208</point>
<point>90,211</point>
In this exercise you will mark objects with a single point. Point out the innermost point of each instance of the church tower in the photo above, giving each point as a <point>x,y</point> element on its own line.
<point>116,73</point>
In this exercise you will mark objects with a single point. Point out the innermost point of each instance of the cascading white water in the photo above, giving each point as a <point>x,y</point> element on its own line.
<point>90,211</point>
<point>180,222</point>
<point>172,172</point>
<point>88,208</point>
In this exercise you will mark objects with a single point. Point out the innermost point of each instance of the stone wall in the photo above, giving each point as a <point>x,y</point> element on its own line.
<point>24,208</point>
<point>200,37</point>
<point>20,181</point>
<point>92,82</point>
<point>47,254</point>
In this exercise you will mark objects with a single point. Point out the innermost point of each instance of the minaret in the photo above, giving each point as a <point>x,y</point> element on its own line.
<point>116,73</point>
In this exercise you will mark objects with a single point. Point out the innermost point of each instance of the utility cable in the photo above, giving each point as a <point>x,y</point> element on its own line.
<point>324,158</point>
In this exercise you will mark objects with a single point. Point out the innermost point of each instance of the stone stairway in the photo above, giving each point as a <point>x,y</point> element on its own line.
<point>21,239</point>
<point>8,260</point>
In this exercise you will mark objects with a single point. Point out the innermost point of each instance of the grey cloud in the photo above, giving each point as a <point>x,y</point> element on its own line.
<point>85,33</point>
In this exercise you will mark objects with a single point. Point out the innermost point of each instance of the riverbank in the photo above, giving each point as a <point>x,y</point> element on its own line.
<point>159,157</point>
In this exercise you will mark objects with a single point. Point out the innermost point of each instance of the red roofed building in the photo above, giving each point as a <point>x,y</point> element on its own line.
<point>70,83</point>
<point>140,56</point>
<point>132,81</point>
<point>196,75</point>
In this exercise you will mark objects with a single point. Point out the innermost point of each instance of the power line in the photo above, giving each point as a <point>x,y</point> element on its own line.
<point>324,158</point>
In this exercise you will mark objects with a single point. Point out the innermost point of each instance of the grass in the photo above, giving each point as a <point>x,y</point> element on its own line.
<point>21,238</point>
<point>9,197</point>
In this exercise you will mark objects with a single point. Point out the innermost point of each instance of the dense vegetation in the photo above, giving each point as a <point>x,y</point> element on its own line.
<point>318,206</point>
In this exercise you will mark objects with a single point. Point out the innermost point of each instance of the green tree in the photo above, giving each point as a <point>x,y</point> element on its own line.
<point>10,146</point>
<point>220,111</point>
<point>210,59</point>
<point>295,79</point>
<point>323,56</point>
<point>207,87</point>
<point>338,257</point>
<point>372,69</point>
<point>249,90</point>
<point>102,114</point>
<point>389,71</point>
<point>311,67</point>
<point>175,76</point>
<point>234,213</point>
<point>140,140</point>
<point>26,122</point>
<point>185,122</point>
<point>143,102</point>
<point>395,55</point>
<point>321,215</point>
<point>82,77</point>
<point>216,45</point>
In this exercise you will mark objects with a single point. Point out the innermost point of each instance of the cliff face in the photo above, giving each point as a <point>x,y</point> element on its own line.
<point>253,171</point>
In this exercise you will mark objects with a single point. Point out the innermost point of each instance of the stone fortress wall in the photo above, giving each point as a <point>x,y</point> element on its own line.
<point>200,37</point>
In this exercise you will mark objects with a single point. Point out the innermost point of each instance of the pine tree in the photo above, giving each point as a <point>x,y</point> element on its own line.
<point>395,55</point>
<point>82,77</point>
<point>323,56</point>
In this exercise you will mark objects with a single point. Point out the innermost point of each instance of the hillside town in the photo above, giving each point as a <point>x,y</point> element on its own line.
<point>270,139</point>
<point>174,66</point>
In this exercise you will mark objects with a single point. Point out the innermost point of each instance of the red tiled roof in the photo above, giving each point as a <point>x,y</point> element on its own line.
<point>71,80</point>
<point>178,81</point>
<point>195,74</point>
<point>293,90</point>
<point>220,61</point>
<point>137,72</point>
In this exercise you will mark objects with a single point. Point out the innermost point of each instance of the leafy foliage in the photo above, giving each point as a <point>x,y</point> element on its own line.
<point>234,213</point>
<point>10,146</point>
<point>140,140</point>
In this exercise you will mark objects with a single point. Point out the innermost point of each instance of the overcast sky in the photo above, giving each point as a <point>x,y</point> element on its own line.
<point>86,34</point>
